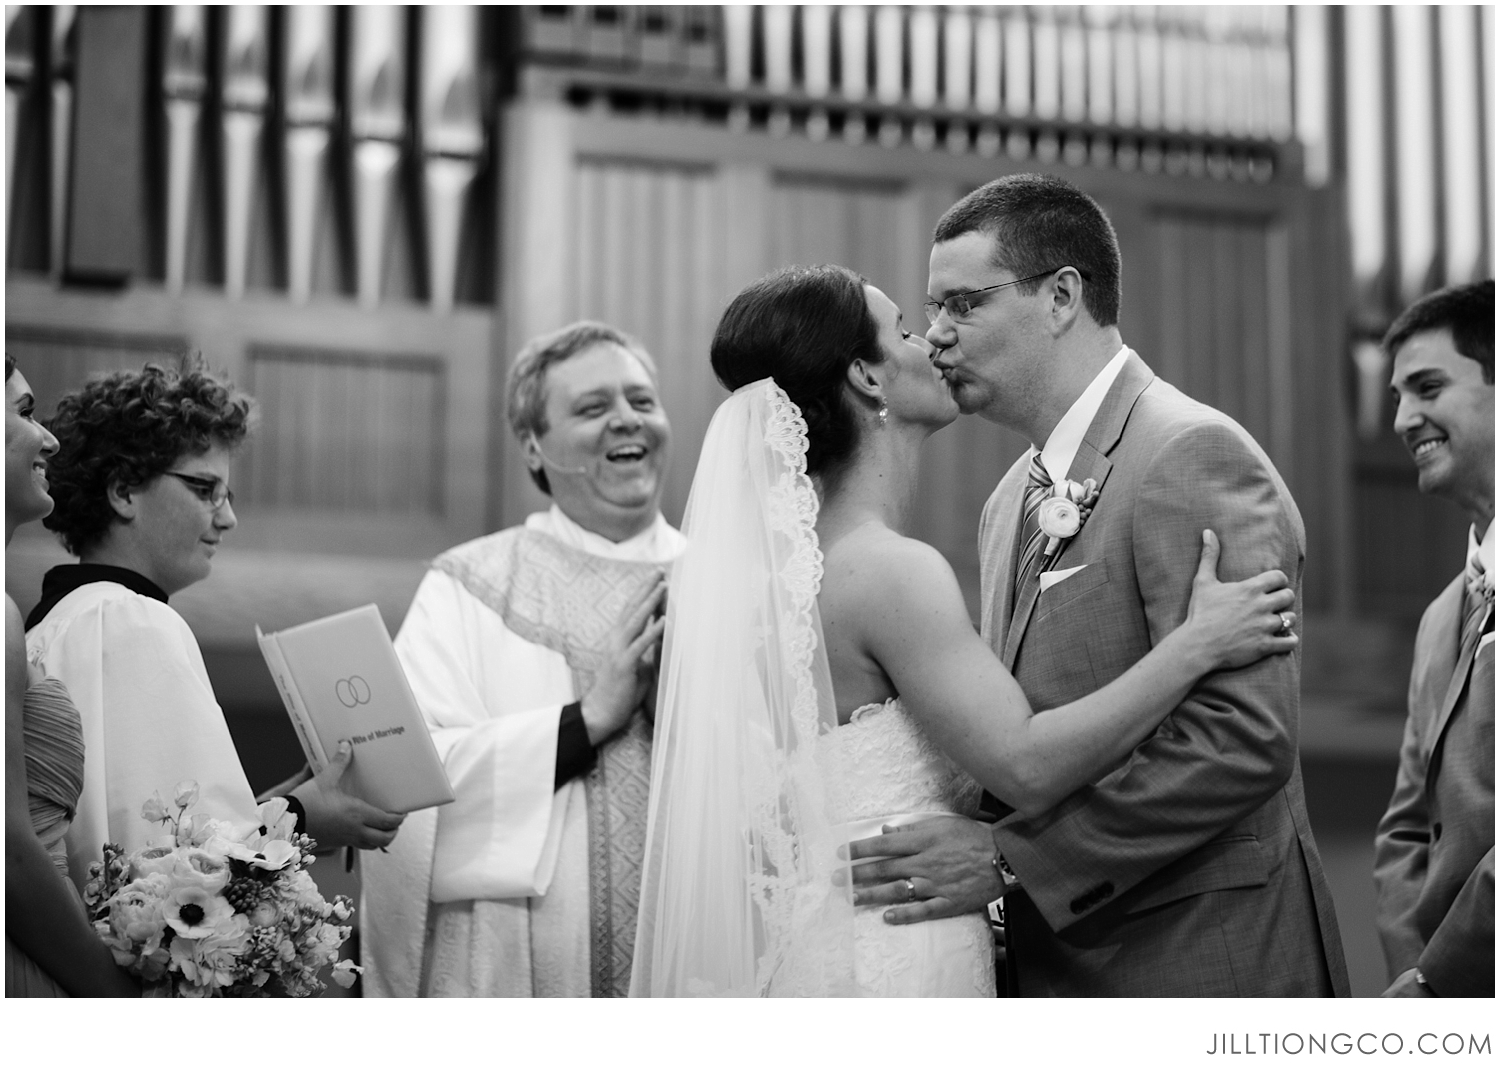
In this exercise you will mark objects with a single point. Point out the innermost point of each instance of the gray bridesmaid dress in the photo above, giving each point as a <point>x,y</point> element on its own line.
<point>54,779</point>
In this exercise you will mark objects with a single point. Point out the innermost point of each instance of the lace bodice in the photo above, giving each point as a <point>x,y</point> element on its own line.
<point>882,763</point>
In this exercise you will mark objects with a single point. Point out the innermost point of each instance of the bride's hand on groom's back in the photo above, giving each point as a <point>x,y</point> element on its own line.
<point>1239,622</point>
<point>934,868</point>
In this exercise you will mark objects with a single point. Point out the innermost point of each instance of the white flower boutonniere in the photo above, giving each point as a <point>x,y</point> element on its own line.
<point>1062,514</point>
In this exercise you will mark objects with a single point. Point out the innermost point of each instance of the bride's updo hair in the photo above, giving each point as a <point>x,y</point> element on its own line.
<point>802,326</point>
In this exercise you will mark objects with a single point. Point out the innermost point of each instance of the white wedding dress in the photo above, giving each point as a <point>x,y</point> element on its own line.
<point>884,769</point>
<point>755,787</point>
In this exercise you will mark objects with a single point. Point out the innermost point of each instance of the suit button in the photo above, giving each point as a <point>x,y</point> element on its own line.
<point>1437,831</point>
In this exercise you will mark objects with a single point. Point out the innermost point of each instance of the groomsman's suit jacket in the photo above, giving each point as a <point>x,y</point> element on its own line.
<point>1191,868</point>
<point>1435,848</point>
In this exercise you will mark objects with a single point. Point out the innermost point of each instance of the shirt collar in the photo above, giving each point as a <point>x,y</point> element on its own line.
<point>1486,550</point>
<point>1062,445</point>
<point>658,542</point>
<point>61,580</point>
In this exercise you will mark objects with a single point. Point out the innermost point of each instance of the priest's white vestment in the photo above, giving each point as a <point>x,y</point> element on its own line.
<point>515,888</point>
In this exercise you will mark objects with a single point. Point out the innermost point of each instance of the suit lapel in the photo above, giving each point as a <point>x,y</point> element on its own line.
<point>1092,460</point>
<point>1461,673</point>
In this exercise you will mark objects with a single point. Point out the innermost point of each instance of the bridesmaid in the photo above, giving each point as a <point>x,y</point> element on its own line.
<point>50,949</point>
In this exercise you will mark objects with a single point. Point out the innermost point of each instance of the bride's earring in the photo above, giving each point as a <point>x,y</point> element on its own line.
<point>884,410</point>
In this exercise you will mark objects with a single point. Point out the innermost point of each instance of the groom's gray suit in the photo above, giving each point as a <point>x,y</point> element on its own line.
<point>1191,868</point>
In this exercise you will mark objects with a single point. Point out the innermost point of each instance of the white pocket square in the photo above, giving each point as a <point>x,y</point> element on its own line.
<point>1052,577</point>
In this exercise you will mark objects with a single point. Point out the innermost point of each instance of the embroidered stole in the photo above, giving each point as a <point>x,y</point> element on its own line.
<point>568,600</point>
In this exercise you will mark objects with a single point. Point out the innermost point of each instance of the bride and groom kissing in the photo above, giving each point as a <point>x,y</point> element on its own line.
<point>1115,755</point>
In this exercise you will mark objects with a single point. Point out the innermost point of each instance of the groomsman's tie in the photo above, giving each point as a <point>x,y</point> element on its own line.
<point>1038,484</point>
<point>1479,604</point>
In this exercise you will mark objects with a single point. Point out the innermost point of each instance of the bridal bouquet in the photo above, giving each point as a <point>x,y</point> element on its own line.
<point>217,909</point>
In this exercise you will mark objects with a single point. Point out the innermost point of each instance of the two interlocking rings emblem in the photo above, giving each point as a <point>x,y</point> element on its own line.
<point>352,691</point>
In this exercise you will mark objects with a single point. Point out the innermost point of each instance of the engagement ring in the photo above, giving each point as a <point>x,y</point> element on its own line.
<point>911,890</point>
<point>1286,623</point>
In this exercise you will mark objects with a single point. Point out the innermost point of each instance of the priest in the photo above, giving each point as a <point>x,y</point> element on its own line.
<point>532,654</point>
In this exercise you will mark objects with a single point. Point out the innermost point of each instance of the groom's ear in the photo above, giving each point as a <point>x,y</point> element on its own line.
<point>1067,297</point>
<point>862,380</point>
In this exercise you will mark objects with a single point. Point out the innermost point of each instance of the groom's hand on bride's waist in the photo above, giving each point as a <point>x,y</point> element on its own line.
<point>933,868</point>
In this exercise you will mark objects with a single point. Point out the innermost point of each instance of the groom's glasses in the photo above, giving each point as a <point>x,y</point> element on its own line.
<point>958,306</point>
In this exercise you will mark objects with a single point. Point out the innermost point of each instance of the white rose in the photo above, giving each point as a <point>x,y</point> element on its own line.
<point>1058,517</point>
<point>153,860</point>
<point>202,868</point>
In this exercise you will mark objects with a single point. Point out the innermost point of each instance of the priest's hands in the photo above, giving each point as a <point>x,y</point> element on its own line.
<point>336,817</point>
<point>947,860</point>
<point>629,667</point>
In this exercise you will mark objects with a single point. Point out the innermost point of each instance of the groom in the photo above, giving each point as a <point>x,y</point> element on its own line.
<point>1191,868</point>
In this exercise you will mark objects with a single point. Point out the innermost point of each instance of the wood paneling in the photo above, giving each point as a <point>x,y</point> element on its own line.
<point>839,220</point>
<point>57,360</point>
<point>374,427</point>
<point>649,255</point>
<point>1215,317</point>
<point>346,431</point>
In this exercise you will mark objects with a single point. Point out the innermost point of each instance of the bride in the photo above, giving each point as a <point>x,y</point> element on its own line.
<point>821,677</point>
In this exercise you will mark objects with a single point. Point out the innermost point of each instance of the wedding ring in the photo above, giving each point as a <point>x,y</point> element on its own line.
<point>911,890</point>
<point>1286,622</point>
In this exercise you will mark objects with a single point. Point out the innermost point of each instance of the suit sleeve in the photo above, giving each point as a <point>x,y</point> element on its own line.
<point>1459,959</point>
<point>1231,744</point>
<point>1403,838</point>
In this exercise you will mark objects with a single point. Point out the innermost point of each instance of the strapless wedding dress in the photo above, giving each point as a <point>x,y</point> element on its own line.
<point>882,768</point>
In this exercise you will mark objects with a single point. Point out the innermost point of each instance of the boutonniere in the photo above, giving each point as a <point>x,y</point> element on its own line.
<point>1063,513</point>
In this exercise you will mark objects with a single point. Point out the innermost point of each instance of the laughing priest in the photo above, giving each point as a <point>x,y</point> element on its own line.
<point>531,653</point>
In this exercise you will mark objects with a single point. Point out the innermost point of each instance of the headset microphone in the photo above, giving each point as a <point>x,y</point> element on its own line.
<point>560,469</point>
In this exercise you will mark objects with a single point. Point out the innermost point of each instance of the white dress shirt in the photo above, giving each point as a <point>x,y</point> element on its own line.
<point>1063,443</point>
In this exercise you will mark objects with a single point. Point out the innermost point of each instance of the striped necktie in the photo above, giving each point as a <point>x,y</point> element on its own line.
<point>1038,485</point>
<point>1479,604</point>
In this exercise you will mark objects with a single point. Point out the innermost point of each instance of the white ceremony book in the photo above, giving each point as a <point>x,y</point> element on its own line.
<point>339,678</point>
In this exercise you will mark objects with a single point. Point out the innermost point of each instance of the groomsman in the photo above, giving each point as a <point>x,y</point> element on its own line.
<point>1435,847</point>
<point>1191,868</point>
<point>530,652</point>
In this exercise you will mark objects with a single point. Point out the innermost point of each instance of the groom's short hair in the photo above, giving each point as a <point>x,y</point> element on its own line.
<point>1466,311</point>
<point>1040,223</point>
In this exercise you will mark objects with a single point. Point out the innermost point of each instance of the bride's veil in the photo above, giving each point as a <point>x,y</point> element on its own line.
<point>738,892</point>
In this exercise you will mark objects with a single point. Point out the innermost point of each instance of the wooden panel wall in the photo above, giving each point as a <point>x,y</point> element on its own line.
<point>374,427</point>
<point>56,360</point>
<point>649,257</point>
<point>840,220</point>
<point>1216,320</point>
<point>345,431</point>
